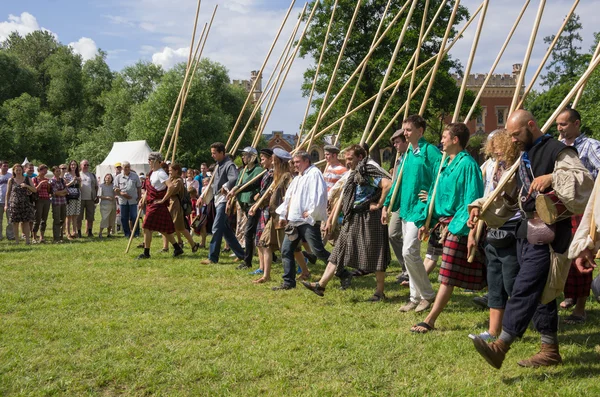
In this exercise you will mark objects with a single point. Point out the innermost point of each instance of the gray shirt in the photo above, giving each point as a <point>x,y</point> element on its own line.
<point>128,184</point>
<point>226,175</point>
<point>4,186</point>
<point>88,186</point>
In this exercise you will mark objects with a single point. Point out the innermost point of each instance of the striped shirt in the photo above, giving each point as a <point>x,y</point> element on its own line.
<point>332,174</point>
<point>589,153</point>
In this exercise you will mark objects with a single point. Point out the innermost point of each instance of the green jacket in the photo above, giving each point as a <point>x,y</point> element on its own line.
<point>247,196</point>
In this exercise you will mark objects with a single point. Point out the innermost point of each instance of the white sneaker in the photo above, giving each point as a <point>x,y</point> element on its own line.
<point>486,336</point>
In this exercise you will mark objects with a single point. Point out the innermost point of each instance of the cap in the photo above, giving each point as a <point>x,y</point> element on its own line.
<point>184,169</point>
<point>266,151</point>
<point>282,154</point>
<point>331,148</point>
<point>397,134</point>
<point>117,164</point>
<point>249,150</point>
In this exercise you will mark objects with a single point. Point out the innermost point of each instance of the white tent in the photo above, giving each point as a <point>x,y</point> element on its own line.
<point>136,152</point>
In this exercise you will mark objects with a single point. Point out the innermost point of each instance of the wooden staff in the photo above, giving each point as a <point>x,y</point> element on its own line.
<point>262,68</point>
<point>135,225</point>
<point>406,72</point>
<point>441,53</point>
<point>580,92</point>
<point>398,181</point>
<point>362,73</point>
<point>498,57</point>
<point>480,223</point>
<point>432,199</point>
<point>358,68</point>
<point>547,55</point>
<point>463,86</point>
<point>314,83</point>
<point>334,74</point>
<point>417,53</point>
<point>521,77</point>
<point>388,72</point>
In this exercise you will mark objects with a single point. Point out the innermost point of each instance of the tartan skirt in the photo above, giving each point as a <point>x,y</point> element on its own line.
<point>456,270</point>
<point>578,285</point>
<point>158,218</point>
<point>363,243</point>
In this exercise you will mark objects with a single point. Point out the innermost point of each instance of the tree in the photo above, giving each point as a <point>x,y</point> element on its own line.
<point>14,79</point>
<point>65,88</point>
<point>97,79</point>
<point>566,61</point>
<point>358,45</point>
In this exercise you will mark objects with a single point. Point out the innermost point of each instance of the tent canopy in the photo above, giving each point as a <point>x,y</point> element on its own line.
<point>136,152</point>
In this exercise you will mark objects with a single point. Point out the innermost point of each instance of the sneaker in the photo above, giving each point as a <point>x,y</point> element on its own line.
<point>345,282</point>
<point>422,306</point>
<point>143,256</point>
<point>243,266</point>
<point>402,277</point>
<point>283,287</point>
<point>410,305</point>
<point>486,336</point>
<point>177,252</point>
<point>257,271</point>
<point>481,301</point>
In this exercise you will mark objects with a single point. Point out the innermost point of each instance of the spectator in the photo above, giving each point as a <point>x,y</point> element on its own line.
<point>30,171</point>
<point>191,181</point>
<point>18,191</point>
<point>4,178</point>
<point>128,189</point>
<point>106,194</point>
<point>73,181</point>
<point>42,204</point>
<point>59,203</point>
<point>89,197</point>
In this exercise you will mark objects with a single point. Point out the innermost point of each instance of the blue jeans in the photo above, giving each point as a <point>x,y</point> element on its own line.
<point>312,235</point>
<point>220,230</point>
<point>524,303</point>
<point>129,213</point>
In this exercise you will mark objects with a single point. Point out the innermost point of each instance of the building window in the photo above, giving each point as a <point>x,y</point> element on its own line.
<point>501,115</point>
<point>314,156</point>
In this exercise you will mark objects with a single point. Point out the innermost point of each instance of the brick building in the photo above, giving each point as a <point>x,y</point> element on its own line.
<point>247,85</point>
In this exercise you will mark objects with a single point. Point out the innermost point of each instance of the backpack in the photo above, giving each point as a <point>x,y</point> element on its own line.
<point>186,202</point>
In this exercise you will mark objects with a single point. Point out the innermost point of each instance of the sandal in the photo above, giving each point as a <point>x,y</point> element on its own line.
<point>196,247</point>
<point>425,328</point>
<point>574,319</point>
<point>316,288</point>
<point>567,303</point>
<point>376,297</point>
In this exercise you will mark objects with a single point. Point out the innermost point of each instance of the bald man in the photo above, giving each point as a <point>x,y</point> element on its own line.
<point>546,164</point>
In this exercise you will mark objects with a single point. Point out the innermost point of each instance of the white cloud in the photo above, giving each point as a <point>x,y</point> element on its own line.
<point>168,57</point>
<point>23,24</point>
<point>85,47</point>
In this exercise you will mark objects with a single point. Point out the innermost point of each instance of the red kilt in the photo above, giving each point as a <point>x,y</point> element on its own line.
<point>578,285</point>
<point>456,270</point>
<point>158,218</point>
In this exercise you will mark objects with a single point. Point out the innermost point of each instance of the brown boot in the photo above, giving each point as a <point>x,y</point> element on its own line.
<point>493,353</point>
<point>546,357</point>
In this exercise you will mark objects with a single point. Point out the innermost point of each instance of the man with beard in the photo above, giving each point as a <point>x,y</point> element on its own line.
<point>363,241</point>
<point>545,164</point>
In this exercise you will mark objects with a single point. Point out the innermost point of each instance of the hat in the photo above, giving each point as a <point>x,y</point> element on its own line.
<point>184,169</point>
<point>282,154</point>
<point>117,164</point>
<point>331,148</point>
<point>266,151</point>
<point>249,150</point>
<point>396,134</point>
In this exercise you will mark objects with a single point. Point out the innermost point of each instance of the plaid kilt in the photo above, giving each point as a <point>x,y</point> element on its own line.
<point>578,285</point>
<point>456,270</point>
<point>262,222</point>
<point>363,243</point>
<point>158,218</point>
<point>434,247</point>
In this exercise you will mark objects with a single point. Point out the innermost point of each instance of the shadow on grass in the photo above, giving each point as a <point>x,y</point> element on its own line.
<point>577,371</point>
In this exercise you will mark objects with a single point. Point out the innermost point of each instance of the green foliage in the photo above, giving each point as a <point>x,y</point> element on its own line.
<point>444,90</point>
<point>14,79</point>
<point>566,62</point>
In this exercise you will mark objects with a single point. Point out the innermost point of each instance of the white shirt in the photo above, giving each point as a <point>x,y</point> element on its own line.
<point>158,178</point>
<point>306,193</point>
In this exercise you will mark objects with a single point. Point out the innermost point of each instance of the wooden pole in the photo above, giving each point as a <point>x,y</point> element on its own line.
<point>334,74</point>
<point>262,68</point>
<point>362,73</point>
<point>546,56</point>
<point>432,199</point>
<point>416,56</point>
<point>388,72</point>
<point>463,86</point>
<point>498,57</point>
<point>441,53</point>
<point>580,92</point>
<point>480,223</point>
<point>521,77</point>
<point>398,182</point>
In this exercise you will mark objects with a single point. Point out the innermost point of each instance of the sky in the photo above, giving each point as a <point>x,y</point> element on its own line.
<point>160,31</point>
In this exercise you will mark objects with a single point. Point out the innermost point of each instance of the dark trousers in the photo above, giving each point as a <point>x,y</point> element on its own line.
<point>524,304</point>
<point>221,230</point>
<point>129,214</point>
<point>59,214</point>
<point>250,234</point>
<point>42,208</point>
<point>312,235</point>
<point>502,269</point>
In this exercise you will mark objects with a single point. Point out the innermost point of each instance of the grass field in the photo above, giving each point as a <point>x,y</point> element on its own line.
<point>84,318</point>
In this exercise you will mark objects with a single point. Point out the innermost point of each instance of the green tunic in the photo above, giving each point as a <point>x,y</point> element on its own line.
<point>459,185</point>
<point>418,174</point>
<point>247,196</point>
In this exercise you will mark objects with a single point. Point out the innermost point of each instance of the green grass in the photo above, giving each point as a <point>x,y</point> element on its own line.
<point>84,318</point>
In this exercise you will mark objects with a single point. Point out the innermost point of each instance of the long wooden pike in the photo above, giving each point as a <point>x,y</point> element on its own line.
<point>547,55</point>
<point>406,73</point>
<point>358,68</point>
<point>398,182</point>
<point>441,54</point>
<point>417,54</point>
<point>497,60</point>
<point>262,68</point>
<point>521,77</point>
<point>334,74</point>
<point>388,72</point>
<point>463,86</point>
<point>480,223</point>
<point>580,92</point>
<point>362,72</point>
<point>318,69</point>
